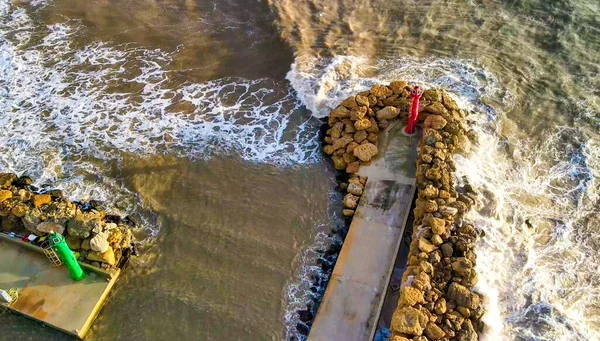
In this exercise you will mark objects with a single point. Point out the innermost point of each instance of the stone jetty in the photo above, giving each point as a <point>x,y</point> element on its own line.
<point>98,238</point>
<point>436,301</point>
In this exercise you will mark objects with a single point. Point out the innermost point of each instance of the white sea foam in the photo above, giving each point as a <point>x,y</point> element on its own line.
<point>64,106</point>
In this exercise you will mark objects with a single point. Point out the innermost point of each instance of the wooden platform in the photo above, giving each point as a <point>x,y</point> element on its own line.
<point>46,293</point>
<point>352,302</point>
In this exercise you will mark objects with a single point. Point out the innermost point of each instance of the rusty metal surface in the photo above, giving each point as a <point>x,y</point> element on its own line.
<point>47,294</point>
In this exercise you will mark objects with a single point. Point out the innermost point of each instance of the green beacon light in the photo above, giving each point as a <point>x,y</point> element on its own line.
<point>58,244</point>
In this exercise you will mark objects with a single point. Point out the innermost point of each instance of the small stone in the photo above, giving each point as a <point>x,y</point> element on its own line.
<point>362,124</point>
<point>351,201</point>
<point>349,157</point>
<point>387,113</point>
<point>464,311</point>
<point>328,149</point>
<point>342,142</point>
<point>430,192</point>
<point>372,137</point>
<point>41,199</point>
<point>348,213</point>
<point>355,189</point>
<point>440,306</point>
<point>372,100</point>
<point>336,131</point>
<point>365,152</point>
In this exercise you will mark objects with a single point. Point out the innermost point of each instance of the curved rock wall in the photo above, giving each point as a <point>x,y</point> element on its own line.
<point>98,238</point>
<point>436,301</point>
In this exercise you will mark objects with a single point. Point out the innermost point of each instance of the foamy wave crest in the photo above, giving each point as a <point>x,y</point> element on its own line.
<point>322,83</point>
<point>538,260</point>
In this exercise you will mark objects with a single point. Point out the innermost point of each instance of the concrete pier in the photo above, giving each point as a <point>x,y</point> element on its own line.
<point>354,296</point>
<point>46,293</point>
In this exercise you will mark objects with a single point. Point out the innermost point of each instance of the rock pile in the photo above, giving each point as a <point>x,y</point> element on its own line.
<point>436,302</point>
<point>100,239</point>
<point>354,188</point>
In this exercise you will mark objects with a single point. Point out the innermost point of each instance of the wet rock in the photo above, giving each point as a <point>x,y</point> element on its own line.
<point>22,182</point>
<point>365,152</point>
<point>462,267</point>
<point>467,333</point>
<point>464,311</point>
<point>73,243</point>
<point>387,113</point>
<point>41,199</point>
<point>82,225</point>
<point>49,226</point>
<point>349,157</point>
<point>351,201</point>
<point>348,212</point>
<point>338,162</point>
<point>85,244</point>
<point>462,296</point>
<point>328,149</point>
<point>362,124</point>
<point>398,86</point>
<point>408,320</point>
<point>340,113</point>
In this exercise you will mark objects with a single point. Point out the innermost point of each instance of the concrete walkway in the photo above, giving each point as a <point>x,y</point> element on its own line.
<point>352,302</point>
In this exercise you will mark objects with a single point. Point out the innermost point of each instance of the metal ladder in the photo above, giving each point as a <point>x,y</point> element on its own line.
<point>51,254</point>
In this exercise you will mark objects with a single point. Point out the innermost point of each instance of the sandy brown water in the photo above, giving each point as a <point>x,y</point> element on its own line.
<point>179,113</point>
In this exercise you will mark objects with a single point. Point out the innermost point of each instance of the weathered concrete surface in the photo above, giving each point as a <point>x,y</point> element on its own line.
<point>46,293</point>
<point>352,302</point>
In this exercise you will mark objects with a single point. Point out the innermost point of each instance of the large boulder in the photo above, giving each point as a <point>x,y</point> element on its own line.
<point>107,257</point>
<point>387,113</point>
<point>410,296</point>
<point>408,320</point>
<point>436,122</point>
<point>82,225</point>
<point>365,152</point>
<point>100,242</point>
<point>340,112</point>
<point>463,296</point>
<point>48,226</point>
<point>5,194</point>
<point>381,91</point>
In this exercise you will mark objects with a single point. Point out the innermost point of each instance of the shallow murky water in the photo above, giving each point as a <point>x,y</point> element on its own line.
<point>201,119</point>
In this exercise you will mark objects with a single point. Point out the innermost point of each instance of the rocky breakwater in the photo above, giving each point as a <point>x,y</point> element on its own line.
<point>437,301</point>
<point>103,240</point>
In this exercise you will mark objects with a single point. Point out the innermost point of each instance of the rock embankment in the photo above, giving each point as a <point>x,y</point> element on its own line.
<point>100,239</point>
<point>436,300</point>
